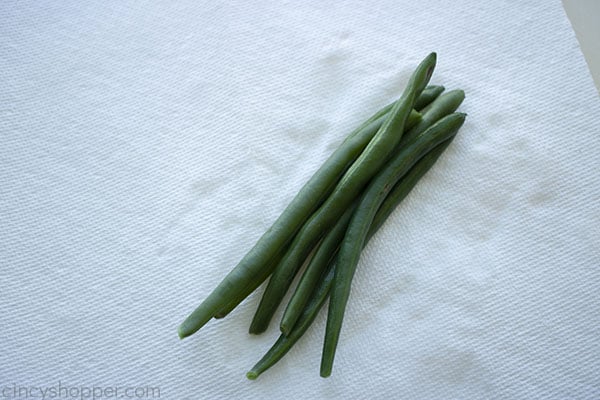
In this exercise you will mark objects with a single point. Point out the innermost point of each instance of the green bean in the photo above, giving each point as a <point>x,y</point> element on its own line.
<point>350,185</point>
<point>259,262</point>
<point>442,106</point>
<point>362,219</point>
<point>361,138</point>
<point>285,342</point>
<point>429,94</point>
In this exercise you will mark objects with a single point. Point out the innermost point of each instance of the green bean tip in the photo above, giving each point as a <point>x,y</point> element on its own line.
<point>181,332</point>
<point>256,330</point>
<point>252,375</point>
<point>325,374</point>
<point>431,58</point>
<point>458,91</point>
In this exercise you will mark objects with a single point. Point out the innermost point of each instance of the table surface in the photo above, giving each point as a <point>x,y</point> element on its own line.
<point>583,15</point>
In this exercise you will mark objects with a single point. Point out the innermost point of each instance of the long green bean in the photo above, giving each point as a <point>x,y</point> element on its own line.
<point>362,219</point>
<point>350,185</point>
<point>402,188</point>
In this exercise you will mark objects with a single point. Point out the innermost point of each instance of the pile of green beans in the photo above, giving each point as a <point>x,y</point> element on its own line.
<point>333,217</point>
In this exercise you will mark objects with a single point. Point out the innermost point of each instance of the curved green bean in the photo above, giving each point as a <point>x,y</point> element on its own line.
<point>362,219</point>
<point>350,185</point>
<point>402,188</point>
<point>442,106</point>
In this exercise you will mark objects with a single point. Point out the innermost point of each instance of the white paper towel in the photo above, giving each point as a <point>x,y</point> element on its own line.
<point>145,147</point>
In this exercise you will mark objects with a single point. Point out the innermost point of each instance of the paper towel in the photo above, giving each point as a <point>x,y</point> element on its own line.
<point>146,146</point>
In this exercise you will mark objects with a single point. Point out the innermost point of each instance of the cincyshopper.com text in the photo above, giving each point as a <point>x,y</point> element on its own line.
<point>62,391</point>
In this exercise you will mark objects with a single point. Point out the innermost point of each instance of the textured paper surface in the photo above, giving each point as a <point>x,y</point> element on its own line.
<point>145,146</point>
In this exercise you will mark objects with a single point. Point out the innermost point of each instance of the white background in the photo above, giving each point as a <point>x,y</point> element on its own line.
<point>145,146</point>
